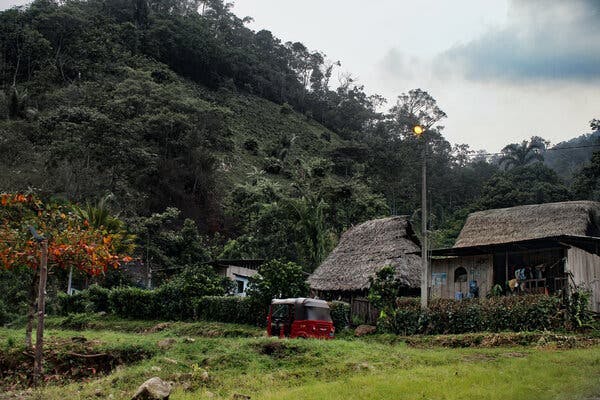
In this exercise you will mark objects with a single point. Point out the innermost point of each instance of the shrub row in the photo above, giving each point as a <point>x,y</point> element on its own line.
<point>241,310</point>
<point>167,304</point>
<point>161,304</point>
<point>518,313</point>
<point>93,299</point>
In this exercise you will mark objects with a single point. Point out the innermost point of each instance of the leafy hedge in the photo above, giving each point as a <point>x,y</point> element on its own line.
<point>241,310</point>
<point>161,304</point>
<point>518,313</point>
<point>135,303</point>
<point>340,314</point>
<point>93,299</point>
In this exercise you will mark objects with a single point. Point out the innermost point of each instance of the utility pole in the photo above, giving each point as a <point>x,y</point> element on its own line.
<point>419,130</point>
<point>424,246</point>
<point>39,341</point>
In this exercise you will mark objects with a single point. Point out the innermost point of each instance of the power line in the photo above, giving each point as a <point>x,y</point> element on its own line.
<point>551,149</point>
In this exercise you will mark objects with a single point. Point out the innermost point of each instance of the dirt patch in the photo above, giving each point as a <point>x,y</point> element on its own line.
<point>158,327</point>
<point>279,349</point>
<point>65,360</point>
<point>507,339</point>
<point>514,354</point>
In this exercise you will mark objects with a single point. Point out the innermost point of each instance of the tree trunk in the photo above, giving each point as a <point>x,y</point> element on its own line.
<point>39,342</point>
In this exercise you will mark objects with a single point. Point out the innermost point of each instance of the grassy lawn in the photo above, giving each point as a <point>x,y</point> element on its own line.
<point>211,360</point>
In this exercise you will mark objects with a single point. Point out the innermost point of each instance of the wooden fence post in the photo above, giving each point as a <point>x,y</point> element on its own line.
<point>39,342</point>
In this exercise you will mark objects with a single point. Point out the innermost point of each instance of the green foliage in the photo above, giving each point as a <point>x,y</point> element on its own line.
<point>93,299</point>
<point>133,303</point>
<point>170,244</point>
<point>16,285</point>
<point>277,279</point>
<point>174,299</point>
<point>586,182</point>
<point>384,289</point>
<point>578,308</point>
<point>532,184</point>
<point>519,155</point>
<point>340,314</point>
<point>233,309</point>
<point>444,316</point>
<point>5,316</point>
<point>77,322</point>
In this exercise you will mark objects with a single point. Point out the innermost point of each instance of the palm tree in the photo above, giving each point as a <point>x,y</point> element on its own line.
<point>518,155</point>
<point>99,216</point>
<point>314,237</point>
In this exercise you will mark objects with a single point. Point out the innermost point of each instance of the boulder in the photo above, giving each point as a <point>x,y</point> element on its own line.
<point>153,389</point>
<point>363,330</point>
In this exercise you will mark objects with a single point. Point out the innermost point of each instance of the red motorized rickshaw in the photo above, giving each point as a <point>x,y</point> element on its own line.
<point>300,318</point>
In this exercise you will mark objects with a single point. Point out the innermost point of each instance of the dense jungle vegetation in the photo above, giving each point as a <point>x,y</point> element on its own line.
<point>208,139</point>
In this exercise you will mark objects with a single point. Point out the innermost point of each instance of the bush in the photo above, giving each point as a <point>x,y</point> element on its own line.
<point>340,314</point>
<point>175,298</point>
<point>234,309</point>
<point>444,316</point>
<point>76,322</point>
<point>251,145</point>
<point>93,299</point>
<point>272,165</point>
<point>98,296</point>
<point>74,304</point>
<point>133,303</point>
<point>277,279</point>
<point>286,109</point>
<point>5,316</point>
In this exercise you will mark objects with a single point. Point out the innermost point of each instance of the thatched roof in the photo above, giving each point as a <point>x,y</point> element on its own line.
<point>366,248</point>
<point>538,221</point>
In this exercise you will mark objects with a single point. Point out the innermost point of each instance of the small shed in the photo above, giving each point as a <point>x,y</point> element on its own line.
<point>540,248</point>
<point>362,251</point>
<point>239,271</point>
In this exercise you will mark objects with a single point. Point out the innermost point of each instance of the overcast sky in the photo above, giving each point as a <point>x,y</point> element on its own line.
<point>503,70</point>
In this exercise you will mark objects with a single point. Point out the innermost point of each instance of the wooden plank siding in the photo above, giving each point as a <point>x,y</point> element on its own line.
<point>363,311</point>
<point>479,268</point>
<point>585,268</point>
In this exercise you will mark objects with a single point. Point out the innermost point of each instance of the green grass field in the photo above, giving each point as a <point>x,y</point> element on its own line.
<point>238,359</point>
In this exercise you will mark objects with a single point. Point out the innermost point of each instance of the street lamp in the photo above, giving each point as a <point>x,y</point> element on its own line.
<point>419,130</point>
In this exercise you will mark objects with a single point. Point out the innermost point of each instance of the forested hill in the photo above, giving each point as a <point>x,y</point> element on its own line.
<point>567,157</point>
<point>175,103</point>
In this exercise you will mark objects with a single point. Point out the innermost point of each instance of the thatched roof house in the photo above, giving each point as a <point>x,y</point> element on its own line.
<point>537,221</point>
<point>363,250</point>
<point>540,248</point>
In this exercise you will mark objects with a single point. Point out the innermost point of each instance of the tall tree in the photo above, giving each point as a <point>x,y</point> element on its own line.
<point>518,155</point>
<point>530,184</point>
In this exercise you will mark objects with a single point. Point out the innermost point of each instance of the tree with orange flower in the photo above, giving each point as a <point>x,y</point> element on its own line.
<point>66,239</point>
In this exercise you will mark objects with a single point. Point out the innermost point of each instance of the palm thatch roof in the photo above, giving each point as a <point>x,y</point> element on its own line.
<point>366,248</point>
<point>538,221</point>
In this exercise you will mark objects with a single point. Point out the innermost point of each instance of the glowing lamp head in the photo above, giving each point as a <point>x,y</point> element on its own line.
<point>418,130</point>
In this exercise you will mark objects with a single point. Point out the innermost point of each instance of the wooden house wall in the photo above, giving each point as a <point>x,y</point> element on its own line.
<point>479,268</point>
<point>585,268</point>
